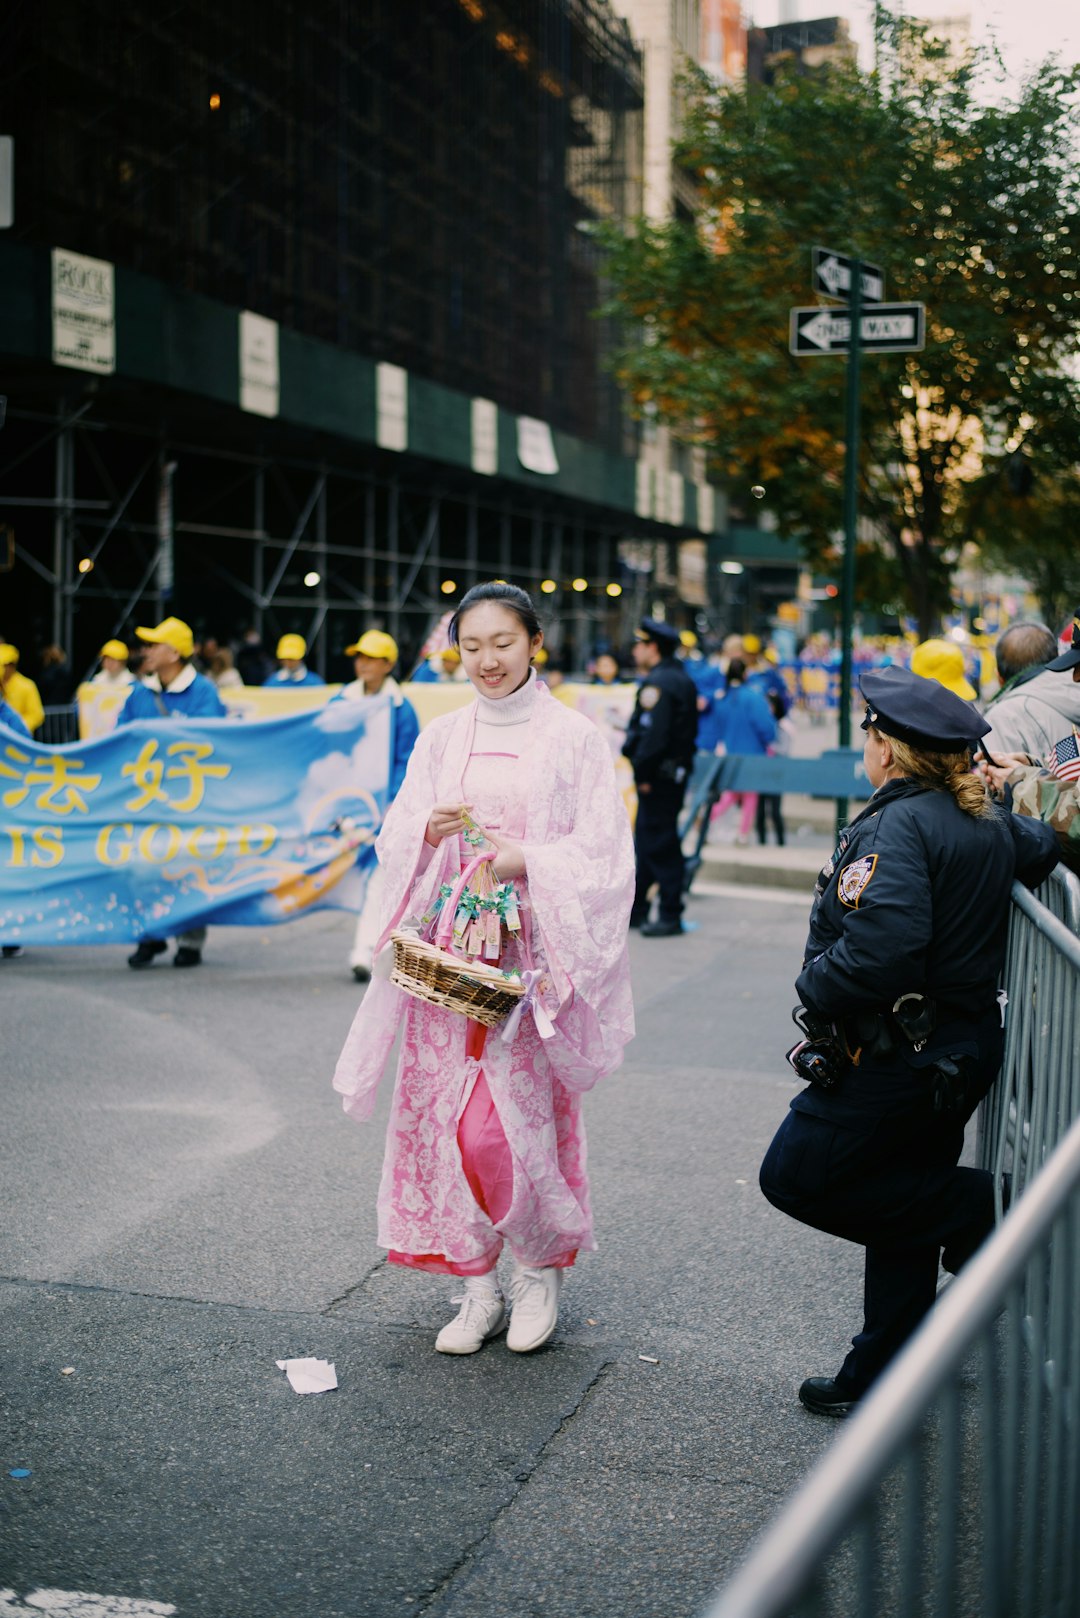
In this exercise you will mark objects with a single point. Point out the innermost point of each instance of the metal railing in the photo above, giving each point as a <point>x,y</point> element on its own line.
<point>1038,1094</point>
<point>61,725</point>
<point>955,1487</point>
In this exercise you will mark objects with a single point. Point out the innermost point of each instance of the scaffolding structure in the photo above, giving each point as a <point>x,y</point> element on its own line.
<point>274,542</point>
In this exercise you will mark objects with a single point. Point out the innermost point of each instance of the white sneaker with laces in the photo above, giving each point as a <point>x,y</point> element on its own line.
<point>534,1300</point>
<point>482,1315</point>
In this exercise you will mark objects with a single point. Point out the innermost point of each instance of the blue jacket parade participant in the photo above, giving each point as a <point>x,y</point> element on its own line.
<point>13,720</point>
<point>903,1031</point>
<point>291,669</point>
<point>660,743</point>
<point>171,689</point>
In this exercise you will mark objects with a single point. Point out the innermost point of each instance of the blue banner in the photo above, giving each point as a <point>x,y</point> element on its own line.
<point>166,825</point>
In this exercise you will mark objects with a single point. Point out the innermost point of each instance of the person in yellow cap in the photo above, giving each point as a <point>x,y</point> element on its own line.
<point>18,691</point>
<point>943,661</point>
<point>440,668</point>
<point>374,656</point>
<point>291,669</point>
<point>114,674</point>
<point>170,689</point>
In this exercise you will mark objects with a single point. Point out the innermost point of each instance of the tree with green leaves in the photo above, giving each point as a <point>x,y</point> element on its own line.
<point>971,205</point>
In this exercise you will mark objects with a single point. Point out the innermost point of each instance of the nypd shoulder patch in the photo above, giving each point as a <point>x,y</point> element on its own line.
<point>649,696</point>
<point>854,879</point>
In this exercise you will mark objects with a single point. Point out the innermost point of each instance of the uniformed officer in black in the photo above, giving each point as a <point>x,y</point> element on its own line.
<point>660,744</point>
<point>899,984</point>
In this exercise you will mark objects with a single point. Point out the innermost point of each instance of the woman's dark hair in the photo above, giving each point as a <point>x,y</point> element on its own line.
<point>506,595</point>
<point>736,671</point>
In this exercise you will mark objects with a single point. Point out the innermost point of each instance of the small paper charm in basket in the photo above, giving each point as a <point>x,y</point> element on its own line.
<point>449,962</point>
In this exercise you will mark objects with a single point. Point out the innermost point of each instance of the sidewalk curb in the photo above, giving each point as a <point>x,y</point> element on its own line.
<point>742,868</point>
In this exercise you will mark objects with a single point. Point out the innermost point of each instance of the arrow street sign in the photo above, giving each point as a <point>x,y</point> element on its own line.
<point>891,328</point>
<point>832,275</point>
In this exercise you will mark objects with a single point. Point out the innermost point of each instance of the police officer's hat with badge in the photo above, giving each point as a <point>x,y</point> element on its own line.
<point>920,712</point>
<point>667,639</point>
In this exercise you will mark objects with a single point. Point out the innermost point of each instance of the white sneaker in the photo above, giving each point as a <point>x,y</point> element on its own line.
<point>534,1299</point>
<point>482,1315</point>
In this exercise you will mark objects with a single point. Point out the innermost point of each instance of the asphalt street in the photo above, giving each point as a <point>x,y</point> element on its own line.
<point>184,1203</point>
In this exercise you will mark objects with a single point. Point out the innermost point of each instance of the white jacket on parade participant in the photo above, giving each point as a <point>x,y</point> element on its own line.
<point>374,656</point>
<point>114,674</point>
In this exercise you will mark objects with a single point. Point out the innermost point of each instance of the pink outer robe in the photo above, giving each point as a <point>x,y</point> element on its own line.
<point>576,897</point>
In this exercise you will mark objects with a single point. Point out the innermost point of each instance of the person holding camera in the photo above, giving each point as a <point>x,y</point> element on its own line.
<point>901,1017</point>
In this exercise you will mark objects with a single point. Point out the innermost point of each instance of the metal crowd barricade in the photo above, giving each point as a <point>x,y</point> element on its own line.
<point>954,1490</point>
<point>61,725</point>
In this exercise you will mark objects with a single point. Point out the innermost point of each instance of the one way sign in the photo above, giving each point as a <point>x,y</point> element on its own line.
<point>889,328</point>
<point>832,276</point>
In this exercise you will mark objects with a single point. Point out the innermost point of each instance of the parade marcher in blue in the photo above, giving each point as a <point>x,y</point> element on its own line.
<point>291,669</point>
<point>374,657</point>
<point>660,742</point>
<point>170,689</point>
<point>903,1027</point>
<point>15,724</point>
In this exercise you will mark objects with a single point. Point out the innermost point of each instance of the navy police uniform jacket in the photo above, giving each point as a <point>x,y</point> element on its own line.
<point>661,737</point>
<point>915,899</point>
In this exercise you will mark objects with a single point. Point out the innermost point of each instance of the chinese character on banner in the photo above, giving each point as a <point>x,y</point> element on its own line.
<point>149,774</point>
<point>64,780</point>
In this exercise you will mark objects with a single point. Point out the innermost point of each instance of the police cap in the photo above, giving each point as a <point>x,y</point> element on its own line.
<point>920,712</point>
<point>665,636</point>
<point>1069,659</point>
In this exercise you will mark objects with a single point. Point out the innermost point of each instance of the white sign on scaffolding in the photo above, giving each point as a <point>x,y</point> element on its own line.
<point>83,312</point>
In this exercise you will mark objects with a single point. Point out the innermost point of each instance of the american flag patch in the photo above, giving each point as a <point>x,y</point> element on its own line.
<point>1063,759</point>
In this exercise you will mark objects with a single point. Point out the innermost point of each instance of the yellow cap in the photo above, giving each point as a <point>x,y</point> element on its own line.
<point>540,657</point>
<point>293,647</point>
<point>115,648</point>
<point>171,632</point>
<point>375,643</point>
<point>687,637</point>
<point>8,653</point>
<point>943,661</point>
<point>751,644</point>
<point>450,654</point>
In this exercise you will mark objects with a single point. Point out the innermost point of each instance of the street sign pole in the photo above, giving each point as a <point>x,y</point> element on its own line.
<point>851,517</point>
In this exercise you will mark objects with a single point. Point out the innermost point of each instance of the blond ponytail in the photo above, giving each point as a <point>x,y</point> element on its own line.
<point>945,772</point>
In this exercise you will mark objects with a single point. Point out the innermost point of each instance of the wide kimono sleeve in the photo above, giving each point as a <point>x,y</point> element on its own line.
<point>407,862</point>
<point>581,887</point>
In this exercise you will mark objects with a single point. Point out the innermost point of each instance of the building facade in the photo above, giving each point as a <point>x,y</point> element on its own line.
<point>296,318</point>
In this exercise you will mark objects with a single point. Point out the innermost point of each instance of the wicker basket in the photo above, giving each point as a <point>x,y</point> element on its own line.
<point>431,972</point>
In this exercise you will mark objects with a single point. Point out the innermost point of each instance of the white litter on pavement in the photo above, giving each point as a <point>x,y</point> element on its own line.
<point>309,1376</point>
<point>80,1604</point>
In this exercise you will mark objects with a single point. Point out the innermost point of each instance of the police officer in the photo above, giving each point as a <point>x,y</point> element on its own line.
<point>898,991</point>
<point>660,745</point>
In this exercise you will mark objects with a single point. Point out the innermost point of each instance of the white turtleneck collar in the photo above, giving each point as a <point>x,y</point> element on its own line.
<point>515,709</point>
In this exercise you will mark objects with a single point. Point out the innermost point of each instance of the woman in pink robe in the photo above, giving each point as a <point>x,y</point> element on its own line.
<point>486,1142</point>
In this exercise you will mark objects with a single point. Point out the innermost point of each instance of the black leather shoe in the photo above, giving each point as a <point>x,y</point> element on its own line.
<point>661,929</point>
<point>186,956</point>
<point>147,952</point>
<point>638,921</point>
<point>362,974</point>
<point>821,1395</point>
